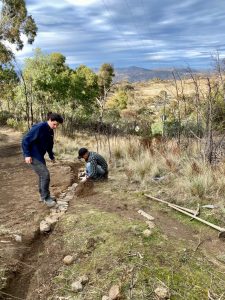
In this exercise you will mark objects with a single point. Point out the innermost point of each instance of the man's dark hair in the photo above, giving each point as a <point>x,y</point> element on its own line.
<point>55,117</point>
<point>81,152</point>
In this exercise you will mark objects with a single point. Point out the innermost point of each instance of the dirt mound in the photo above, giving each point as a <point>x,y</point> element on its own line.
<point>84,189</point>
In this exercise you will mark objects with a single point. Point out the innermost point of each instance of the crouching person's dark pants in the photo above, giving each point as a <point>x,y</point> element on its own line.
<point>44,177</point>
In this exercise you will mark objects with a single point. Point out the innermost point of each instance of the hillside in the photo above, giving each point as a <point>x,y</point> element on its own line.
<point>135,74</point>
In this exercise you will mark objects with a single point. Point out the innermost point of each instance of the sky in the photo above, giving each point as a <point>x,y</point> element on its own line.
<point>144,33</point>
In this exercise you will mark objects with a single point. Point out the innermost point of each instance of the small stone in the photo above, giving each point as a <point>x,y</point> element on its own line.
<point>147,232</point>
<point>62,202</point>
<point>68,198</point>
<point>58,214</point>
<point>45,226</point>
<point>76,286</point>
<point>51,220</point>
<point>150,224</point>
<point>54,210</point>
<point>114,292</point>
<point>62,208</point>
<point>65,200</point>
<point>105,298</point>
<point>18,238</point>
<point>162,292</point>
<point>68,260</point>
<point>73,187</point>
<point>83,279</point>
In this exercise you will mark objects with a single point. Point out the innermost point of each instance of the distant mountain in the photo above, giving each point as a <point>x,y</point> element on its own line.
<point>134,74</point>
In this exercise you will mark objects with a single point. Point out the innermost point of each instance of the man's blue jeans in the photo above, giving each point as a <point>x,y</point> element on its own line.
<point>44,177</point>
<point>100,171</point>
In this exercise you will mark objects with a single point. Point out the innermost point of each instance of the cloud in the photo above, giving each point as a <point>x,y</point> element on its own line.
<point>81,2</point>
<point>144,32</point>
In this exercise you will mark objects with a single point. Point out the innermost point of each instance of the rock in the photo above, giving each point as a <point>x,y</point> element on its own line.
<point>147,232</point>
<point>56,215</point>
<point>51,220</point>
<point>105,298</point>
<point>211,206</point>
<point>150,224</point>
<point>61,202</point>
<point>114,292</point>
<point>68,260</point>
<point>162,292</point>
<point>45,226</point>
<point>73,187</point>
<point>83,279</point>
<point>62,208</point>
<point>68,197</point>
<point>18,238</point>
<point>54,210</point>
<point>76,286</point>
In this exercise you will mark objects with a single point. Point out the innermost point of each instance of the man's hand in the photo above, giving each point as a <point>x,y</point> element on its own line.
<point>84,179</point>
<point>28,160</point>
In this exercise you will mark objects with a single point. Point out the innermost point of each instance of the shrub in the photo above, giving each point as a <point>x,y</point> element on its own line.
<point>4,116</point>
<point>20,125</point>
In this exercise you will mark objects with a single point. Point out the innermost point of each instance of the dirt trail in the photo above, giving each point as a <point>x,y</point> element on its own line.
<point>21,213</point>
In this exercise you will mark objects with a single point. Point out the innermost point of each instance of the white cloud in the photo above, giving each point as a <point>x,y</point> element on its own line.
<point>81,2</point>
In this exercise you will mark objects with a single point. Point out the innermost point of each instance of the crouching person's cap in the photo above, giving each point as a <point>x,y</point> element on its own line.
<point>81,152</point>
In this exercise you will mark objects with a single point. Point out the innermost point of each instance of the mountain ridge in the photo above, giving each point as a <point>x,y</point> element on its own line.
<point>137,74</point>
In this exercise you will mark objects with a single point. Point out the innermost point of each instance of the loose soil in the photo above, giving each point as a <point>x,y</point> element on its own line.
<point>31,264</point>
<point>21,213</point>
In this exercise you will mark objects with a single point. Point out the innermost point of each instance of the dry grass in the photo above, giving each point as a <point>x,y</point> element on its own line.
<point>182,176</point>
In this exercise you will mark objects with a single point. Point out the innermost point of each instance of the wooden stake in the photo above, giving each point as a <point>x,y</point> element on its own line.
<point>222,230</point>
<point>191,214</point>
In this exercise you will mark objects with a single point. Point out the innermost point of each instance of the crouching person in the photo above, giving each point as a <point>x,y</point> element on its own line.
<point>96,165</point>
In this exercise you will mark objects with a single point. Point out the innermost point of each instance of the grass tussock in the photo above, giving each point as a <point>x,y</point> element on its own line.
<point>181,175</point>
<point>112,249</point>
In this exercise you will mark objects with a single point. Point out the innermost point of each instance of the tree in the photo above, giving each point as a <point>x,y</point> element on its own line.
<point>14,22</point>
<point>119,100</point>
<point>105,78</point>
<point>8,81</point>
<point>46,81</point>
<point>84,88</point>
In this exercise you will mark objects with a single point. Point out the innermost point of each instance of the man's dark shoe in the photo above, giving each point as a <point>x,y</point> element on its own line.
<point>50,201</point>
<point>50,197</point>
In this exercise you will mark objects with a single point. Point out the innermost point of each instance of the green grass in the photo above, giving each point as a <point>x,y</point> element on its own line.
<point>121,254</point>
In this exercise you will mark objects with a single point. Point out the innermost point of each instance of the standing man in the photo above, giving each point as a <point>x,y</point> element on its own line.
<point>35,144</point>
<point>96,165</point>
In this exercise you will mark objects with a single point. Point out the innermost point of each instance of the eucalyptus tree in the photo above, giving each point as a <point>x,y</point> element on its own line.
<point>8,81</point>
<point>84,89</point>
<point>14,23</point>
<point>105,79</point>
<point>46,82</point>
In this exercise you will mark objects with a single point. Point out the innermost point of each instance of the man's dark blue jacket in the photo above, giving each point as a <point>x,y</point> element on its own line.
<point>38,141</point>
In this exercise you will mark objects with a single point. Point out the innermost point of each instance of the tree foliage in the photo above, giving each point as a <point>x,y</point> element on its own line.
<point>14,22</point>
